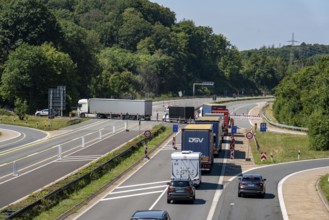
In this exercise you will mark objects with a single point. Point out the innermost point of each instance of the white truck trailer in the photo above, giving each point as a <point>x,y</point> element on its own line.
<point>186,164</point>
<point>115,108</point>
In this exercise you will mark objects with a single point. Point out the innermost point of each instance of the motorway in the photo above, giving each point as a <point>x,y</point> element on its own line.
<point>215,199</point>
<point>146,187</point>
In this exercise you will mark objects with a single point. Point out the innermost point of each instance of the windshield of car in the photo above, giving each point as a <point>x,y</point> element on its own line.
<point>251,179</point>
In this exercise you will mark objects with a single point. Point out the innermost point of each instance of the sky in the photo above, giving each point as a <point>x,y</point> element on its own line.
<point>252,24</point>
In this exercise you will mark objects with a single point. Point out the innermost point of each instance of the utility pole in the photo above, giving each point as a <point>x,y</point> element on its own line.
<point>292,41</point>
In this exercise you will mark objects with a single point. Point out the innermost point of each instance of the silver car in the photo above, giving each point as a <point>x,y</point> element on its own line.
<point>43,112</point>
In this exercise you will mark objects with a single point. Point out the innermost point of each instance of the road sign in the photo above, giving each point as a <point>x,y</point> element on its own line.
<point>147,134</point>
<point>234,129</point>
<point>263,126</point>
<point>263,156</point>
<point>249,135</point>
<point>175,127</point>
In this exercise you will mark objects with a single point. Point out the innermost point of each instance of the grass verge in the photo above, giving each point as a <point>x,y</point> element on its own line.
<point>283,147</point>
<point>324,185</point>
<point>42,123</point>
<point>269,112</point>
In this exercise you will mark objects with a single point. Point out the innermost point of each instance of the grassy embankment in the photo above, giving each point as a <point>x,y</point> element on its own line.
<point>42,123</point>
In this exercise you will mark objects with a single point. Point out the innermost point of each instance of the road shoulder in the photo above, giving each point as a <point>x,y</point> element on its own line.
<point>301,197</point>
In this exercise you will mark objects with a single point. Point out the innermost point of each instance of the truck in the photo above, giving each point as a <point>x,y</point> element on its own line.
<point>115,108</point>
<point>187,164</point>
<point>199,138</point>
<point>217,123</point>
<point>220,110</point>
<point>180,114</point>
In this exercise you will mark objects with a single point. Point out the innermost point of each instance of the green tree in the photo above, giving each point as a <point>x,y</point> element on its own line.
<point>123,85</point>
<point>302,100</point>
<point>133,29</point>
<point>27,21</point>
<point>112,61</point>
<point>82,46</point>
<point>319,131</point>
<point>31,70</point>
<point>21,108</point>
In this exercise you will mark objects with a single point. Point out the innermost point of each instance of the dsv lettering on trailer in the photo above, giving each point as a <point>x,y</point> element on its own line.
<point>195,140</point>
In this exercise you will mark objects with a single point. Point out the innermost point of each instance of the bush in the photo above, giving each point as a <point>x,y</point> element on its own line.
<point>6,112</point>
<point>318,130</point>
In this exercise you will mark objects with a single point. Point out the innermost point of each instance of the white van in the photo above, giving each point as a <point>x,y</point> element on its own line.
<point>186,164</point>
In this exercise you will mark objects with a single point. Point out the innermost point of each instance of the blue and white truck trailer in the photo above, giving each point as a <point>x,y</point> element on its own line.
<point>199,138</point>
<point>218,133</point>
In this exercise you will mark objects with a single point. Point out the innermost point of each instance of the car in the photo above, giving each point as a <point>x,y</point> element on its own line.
<point>180,189</point>
<point>43,112</point>
<point>151,214</point>
<point>251,184</point>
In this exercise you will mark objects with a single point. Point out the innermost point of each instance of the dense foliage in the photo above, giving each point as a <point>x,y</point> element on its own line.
<point>302,100</point>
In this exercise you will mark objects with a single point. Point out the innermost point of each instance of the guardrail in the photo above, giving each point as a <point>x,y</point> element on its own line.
<point>281,125</point>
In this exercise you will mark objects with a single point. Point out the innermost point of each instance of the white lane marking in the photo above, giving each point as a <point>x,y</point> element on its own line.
<point>133,195</point>
<point>158,199</point>
<point>79,158</point>
<point>124,180</point>
<point>281,200</point>
<point>142,184</point>
<point>140,189</point>
<point>218,192</point>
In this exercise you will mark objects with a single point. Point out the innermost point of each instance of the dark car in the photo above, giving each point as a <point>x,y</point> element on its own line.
<point>180,189</point>
<point>151,214</point>
<point>252,184</point>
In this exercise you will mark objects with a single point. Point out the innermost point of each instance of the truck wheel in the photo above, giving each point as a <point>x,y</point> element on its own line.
<point>168,201</point>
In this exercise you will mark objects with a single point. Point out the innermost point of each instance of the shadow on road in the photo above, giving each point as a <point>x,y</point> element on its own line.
<point>197,201</point>
<point>267,196</point>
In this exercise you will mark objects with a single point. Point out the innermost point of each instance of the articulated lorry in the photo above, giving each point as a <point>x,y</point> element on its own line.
<point>180,114</point>
<point>199,138</point>
<point>186,164</point>
<point>218,110</point>
<point>217,123</point>
<point>115,108</point>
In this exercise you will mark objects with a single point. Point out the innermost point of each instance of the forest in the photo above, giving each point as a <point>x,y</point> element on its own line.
<point>137,49</point>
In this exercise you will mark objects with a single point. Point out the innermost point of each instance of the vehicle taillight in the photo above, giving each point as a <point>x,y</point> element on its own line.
<point>260,184</point>
<point>189,189</point>
<point>170,188</point>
